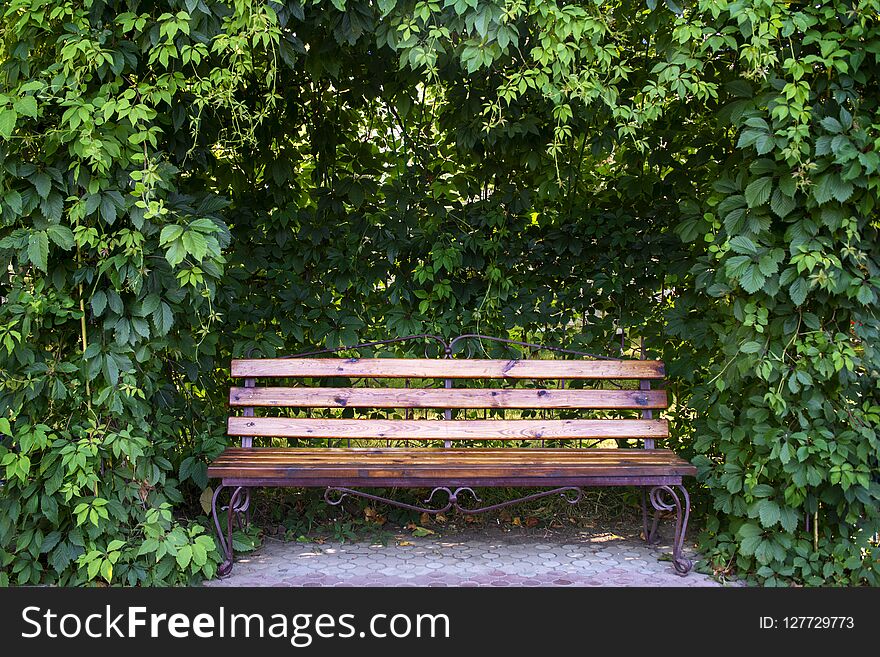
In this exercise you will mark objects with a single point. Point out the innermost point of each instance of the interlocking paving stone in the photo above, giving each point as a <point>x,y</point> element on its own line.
<point>593,558</point>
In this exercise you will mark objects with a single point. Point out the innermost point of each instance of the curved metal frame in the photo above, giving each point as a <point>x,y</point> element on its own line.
<point>238,509</point>
<point>452,499</point>
<point>680,563</point>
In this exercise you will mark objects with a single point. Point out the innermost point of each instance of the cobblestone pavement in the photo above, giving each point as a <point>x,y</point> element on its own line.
<point>484,559</point>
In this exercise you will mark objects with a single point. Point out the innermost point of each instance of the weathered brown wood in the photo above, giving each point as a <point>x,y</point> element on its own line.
<point>439,464</point>
<point>416,456</point>
<point>305,397</point>
<point>440,368</point>
<point>446,429</point>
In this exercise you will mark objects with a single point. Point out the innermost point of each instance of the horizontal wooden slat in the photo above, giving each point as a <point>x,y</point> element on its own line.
<point>446,429</point>
<point>442,368</point>
<point>446,398</point>
<point>482,455</point>
<point>425,465</point>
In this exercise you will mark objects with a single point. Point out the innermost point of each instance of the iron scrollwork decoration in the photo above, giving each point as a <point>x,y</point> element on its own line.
<point>237,511</point>
<point>572,495</point>
<point>666,499</point>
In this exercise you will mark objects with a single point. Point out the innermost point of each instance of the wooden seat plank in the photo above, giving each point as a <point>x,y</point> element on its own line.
<point>436,464</point>
<point>446,429</point>
<point>445,398</point>
<point>447,368</point>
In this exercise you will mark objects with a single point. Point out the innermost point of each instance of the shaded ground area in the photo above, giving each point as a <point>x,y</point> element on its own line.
<point>489,557</point>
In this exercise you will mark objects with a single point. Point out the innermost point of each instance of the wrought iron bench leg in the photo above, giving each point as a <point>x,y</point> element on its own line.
<point>238,510</point>
<point>649,532</point>
<point>682,507</point>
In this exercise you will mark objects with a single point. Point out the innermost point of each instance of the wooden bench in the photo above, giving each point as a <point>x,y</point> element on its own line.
<point>444,454</point>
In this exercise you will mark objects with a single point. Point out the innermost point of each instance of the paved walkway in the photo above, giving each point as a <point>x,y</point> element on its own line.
<point>468,559</point>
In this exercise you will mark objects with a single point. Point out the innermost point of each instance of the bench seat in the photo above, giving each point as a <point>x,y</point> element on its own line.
<point>417,467</point>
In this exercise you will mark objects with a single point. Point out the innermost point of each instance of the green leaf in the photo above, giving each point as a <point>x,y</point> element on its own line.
<point>170,233</point>
<point>13,200</point>
<point>195,244</point>
<point>841,190</point>
<point>199,554</point>
<point>823,188</point>
<point>175,253</point>
<point>111,370</point>
<point>764,143</point>
<point>50,541</point>
<point>752,279</point>
<point>781,204</point>
<point>149,305</point>
<point>122,331</point>
<point>163,319</point>
<point>43,184</point>
<point>52,207</point>
<point>788,518</point>
<point>743,245</point>
<point>768,511</point>
<point>99,302</point>
<point>61,235</point>
<point>38,249</point>
<point>184,556</point>
<point>108,210</point>
<point>750,347</point>
<point>27,106</point>
<point>762,490</point>
<point>865,295</point>
<point>7,122</point>
<point>93,201</point>
<point>750,538</point>
<point>106,570</point>
<point>831,124</point>
<point>798,291</point>
<point>148,546</point>
<point>758,192</point>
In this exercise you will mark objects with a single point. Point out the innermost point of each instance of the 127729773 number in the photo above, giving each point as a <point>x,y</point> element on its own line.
<point>808,623</point>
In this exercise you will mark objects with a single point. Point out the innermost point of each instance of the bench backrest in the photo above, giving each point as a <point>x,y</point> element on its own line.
<point>570,392</point>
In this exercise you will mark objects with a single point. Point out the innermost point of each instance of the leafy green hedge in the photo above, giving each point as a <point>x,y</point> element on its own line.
<point>185,181</point>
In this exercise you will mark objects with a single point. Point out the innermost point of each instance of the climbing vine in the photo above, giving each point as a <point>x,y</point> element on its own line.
<point>190,180</point>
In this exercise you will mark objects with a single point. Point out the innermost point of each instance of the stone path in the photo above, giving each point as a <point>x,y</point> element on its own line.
<point>469,559</point>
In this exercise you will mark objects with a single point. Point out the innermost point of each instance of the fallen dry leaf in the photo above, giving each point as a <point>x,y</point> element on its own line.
<point>440,517</point>
<point>373,517</point>
<point>425,518</point>
<point>531,521</point>
<point>517,522</point>
<point>205,499</point>
<point>405,543</point>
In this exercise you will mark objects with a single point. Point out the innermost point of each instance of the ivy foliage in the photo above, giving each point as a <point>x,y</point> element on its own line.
<point>185,181</point>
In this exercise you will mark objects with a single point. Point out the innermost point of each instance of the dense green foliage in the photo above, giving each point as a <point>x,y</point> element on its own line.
<point>188,180</point>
